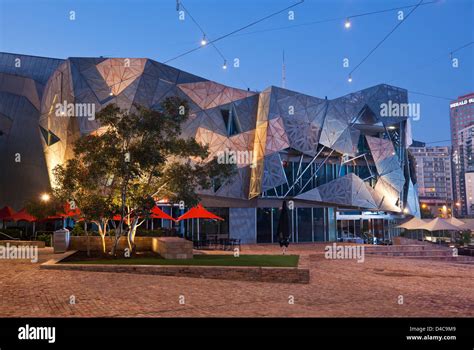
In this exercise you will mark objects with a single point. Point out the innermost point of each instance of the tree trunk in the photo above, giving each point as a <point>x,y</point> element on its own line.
<point>131,234</point>
<point>88,239</point>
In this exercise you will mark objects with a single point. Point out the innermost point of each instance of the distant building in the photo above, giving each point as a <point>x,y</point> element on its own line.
<point>461,117</point>
<point>469,200</point>
<point>464,163</point>
<point>433,173</point>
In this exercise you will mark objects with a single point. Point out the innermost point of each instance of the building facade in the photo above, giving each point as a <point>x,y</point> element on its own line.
<point>328,159</point>
<point>465,163</point>
<point>461,116</point>
<point>434,178</point>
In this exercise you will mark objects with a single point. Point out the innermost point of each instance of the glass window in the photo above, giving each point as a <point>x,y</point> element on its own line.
<point>276,217</point>
<point>215,227</point>
<point>318,224</point>
<point>264,225</point>
<point>305,232</point>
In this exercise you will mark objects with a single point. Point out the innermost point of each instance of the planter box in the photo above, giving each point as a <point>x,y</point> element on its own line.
<point>173,247</point>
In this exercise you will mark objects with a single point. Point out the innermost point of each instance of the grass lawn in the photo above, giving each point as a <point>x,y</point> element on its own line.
<point>203,260</point>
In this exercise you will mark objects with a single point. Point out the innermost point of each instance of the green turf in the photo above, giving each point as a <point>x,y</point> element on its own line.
<point>204,260</point>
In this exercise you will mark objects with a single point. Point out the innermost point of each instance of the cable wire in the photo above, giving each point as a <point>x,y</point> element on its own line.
<point>235,31</point>
<point>385,38</point>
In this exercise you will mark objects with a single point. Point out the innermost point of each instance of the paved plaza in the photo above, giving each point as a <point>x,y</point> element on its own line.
<point>337,288</point>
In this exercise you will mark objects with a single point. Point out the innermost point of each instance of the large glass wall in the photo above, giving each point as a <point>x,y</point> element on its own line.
<point>366,228</point>
<point>325,173</point>
<point>306,224</point>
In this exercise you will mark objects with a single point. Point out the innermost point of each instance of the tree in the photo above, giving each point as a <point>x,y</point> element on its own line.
<point>136,157</point>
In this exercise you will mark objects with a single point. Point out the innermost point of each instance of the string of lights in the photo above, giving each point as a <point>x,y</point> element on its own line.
<point>382,41</point>
<point>180,5</point>
<point>206,42</point>
<point>335,19</point>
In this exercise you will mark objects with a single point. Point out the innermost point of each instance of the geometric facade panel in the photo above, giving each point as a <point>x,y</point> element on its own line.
<point>281,131</point>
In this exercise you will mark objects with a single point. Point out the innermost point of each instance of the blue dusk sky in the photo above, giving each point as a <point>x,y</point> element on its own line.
<point>415,57</point>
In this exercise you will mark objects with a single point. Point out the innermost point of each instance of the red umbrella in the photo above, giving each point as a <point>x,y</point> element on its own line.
<point>199,212</point>
<point>22,215</point>
<point>68,212</point>
<point>157,213</point>
<point>6,212</point>
<point>118,217</point>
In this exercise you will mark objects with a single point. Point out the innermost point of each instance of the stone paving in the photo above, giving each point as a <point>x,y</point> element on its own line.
<point>337,288</point>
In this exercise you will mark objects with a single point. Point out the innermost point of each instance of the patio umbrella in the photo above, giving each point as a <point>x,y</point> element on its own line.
<point>5,213</point>
<point>199,212</point>
<point>69,213</point>
<point>157,213</point>
<point>283,229</point>
<point>23,215</point>
<point>412,224</point>
<point>439,224</point>
<point>456,222</point>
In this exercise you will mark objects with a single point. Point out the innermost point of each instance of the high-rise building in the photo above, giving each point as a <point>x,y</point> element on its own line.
<point>465,166</point>
<point>434,177</point>
<point>461,117</point>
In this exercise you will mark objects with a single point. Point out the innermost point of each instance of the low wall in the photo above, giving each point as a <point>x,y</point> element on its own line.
<point>254,274</point>
<point>95,243</point>
<point>39,244</point>
<point>407,241</point>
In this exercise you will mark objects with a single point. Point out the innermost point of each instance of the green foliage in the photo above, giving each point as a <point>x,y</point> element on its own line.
<point>45,238</point>
<point>466,237</point>
<point>137,156</point>
<point>78,229</point>
<point>12,232</point>
<point>159,232</point>
<point>42,209</point>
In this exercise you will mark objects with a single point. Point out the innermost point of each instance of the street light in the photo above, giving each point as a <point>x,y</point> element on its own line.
<point>347,23</point>
<point>45,197</point>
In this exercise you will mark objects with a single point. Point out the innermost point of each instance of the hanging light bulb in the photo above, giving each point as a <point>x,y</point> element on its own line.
<point>203,41</point>
<point>347,23</point>
<point>224,66</point>
<point>349,79</point>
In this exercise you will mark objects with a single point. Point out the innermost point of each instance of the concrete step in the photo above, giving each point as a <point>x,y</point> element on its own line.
<point>405,248</point>
<point>459,259</point>
<point>412,253</point>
